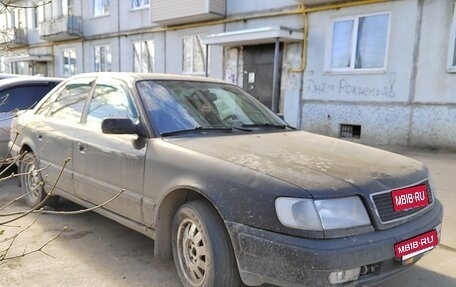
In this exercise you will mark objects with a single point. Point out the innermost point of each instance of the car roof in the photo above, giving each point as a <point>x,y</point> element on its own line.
<point>28,80</point>
<point>149,76</point>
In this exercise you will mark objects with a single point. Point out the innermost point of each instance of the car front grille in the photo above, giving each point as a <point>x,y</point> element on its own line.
<point>384,205</point>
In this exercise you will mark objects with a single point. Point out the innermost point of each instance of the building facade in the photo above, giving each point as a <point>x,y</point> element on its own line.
<point>372,71</point>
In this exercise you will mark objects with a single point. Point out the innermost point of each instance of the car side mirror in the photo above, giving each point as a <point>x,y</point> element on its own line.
<point>123,126</point>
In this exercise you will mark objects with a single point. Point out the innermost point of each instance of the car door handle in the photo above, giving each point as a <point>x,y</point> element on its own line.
<point>82,147</point>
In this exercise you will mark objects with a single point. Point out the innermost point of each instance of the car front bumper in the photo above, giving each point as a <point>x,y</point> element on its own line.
<point>268,257</point>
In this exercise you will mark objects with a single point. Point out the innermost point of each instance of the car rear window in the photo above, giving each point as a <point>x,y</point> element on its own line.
<point>24,97</point>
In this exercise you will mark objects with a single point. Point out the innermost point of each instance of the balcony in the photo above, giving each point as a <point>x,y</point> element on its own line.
<point>175,12</point>
<point>14,37</point>
<point>65,27</point>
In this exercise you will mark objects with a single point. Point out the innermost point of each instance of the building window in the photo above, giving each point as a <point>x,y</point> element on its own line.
<point>21,68</point>
<point>69,62</point>
<point>359,43</point>
<point>67,7</point>
<point>138,4</point>
<point>19,18</point>
<point>43,11</point>
<point>194,55</point>
<point>103,59</point>
<point>452,50</point>
<point>7,20</point>
<point>35,18</point>
<point>143,56</point>
<point>100,7</point>
<point>2,64</point>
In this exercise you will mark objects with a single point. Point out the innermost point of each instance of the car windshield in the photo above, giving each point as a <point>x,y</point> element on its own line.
<point>176,106</point>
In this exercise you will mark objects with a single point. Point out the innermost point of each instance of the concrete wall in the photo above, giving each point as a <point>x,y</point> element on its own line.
<point>132,19</point>
<point>99,25</point>
<point>388,104</point>
<point>242,6</point>
<point>434,115</point>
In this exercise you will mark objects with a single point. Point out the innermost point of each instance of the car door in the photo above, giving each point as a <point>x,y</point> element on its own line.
<point>105,164</point>
<point>57,121</point>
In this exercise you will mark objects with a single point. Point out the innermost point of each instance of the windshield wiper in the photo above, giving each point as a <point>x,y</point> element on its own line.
<point>197,129</point>
<point>268,125</point>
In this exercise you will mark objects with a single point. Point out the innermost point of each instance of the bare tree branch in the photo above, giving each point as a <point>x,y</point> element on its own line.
<point>50,193</point>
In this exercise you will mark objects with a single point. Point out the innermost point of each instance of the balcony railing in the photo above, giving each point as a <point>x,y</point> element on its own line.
<point>61,28</point>
<point>14,37</point>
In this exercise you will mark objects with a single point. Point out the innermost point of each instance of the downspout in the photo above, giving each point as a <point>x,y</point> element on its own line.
<point>304,42</point>
<point>303,67</point>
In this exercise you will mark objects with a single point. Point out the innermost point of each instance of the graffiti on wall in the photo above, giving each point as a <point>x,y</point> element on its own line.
<point>346,87</point>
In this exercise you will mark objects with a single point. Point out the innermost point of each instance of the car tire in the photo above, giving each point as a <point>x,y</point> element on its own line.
<point>202,250</point>
<point>31,182</point>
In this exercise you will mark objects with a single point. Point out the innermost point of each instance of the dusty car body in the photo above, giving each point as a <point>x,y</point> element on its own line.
<point>223,185</point>
<point>19,93</point>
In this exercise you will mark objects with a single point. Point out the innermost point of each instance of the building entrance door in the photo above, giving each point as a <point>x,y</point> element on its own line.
<point>40,68</point>
<point>259,71</point>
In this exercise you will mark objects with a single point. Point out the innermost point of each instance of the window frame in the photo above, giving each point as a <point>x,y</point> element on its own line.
<point>49,111</point>
<point>451,65</point>
<point>354,41</point>
<point>71,49</point>
<point>121,85</point>
<point>192,65</point>
<point>108,68</point>
<point>142,5</point>
<point>104,13</point>
<point>151,69</point>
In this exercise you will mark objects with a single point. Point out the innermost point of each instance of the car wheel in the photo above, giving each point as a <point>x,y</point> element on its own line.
<point>31,182</point>
<point>202,250</point>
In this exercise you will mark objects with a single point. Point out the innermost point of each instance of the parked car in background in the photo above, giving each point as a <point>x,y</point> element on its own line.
<point>223,185</point>
<point>18,94</point>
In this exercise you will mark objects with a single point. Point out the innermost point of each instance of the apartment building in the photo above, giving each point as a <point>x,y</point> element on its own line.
<point>372,71</point>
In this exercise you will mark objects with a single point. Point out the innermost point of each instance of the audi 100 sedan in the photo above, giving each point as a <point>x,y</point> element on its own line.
<point>224,186</point>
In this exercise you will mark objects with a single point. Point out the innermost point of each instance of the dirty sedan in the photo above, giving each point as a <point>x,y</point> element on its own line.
<point>224,186</point>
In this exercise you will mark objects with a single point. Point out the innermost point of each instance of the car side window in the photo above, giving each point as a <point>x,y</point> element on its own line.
<point>70,103</point>
<point>110,100</point>
<point>24,97</point>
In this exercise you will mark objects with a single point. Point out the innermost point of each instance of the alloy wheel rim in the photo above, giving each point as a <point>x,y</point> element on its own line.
<point>192,250</point>
<point>33,180</point>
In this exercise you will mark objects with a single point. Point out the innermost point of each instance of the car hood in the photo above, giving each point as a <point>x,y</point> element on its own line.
<point>323,166</point>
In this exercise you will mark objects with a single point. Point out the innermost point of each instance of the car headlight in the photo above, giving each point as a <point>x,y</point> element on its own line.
<point>326,214</point>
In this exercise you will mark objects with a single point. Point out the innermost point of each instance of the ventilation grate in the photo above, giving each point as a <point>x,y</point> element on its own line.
<point>350,131</point>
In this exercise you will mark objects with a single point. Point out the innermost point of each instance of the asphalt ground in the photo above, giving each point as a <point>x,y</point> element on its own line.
<point>95,251</point>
